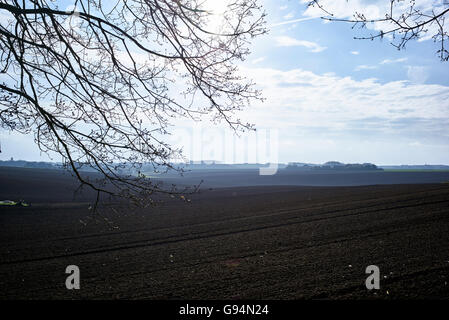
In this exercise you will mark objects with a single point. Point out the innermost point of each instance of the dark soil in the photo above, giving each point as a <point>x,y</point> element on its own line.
<point>232,243</point>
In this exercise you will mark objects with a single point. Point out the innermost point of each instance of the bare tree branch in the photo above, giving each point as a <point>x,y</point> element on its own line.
<point>401,25</point>
<point>99,83</point>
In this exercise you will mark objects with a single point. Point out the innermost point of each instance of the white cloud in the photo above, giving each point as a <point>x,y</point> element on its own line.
<point>282,8</point>
<point>355,53</point>
<point>258,60</point>
<point>291,21</point>
<point>372,67</point>
<point>303,99</point>
<point>322,117</point>
<point>364,67</point>
<point>289,16</point>
<point>389,61</point>
<point>286,41</point>
<point>417,74</point>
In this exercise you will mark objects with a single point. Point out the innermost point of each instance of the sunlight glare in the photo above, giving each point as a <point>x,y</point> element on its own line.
<point>217,8</point>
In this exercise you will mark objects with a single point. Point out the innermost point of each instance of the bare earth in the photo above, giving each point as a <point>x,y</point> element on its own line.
<point>266,242</point>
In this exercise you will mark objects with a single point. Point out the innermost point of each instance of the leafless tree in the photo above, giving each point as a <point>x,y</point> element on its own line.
<point>404,21</point>
<point>98,83</point>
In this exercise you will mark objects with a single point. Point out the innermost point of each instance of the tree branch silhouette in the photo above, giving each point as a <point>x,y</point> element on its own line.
<point>402,25</point>
<point>99,84</point>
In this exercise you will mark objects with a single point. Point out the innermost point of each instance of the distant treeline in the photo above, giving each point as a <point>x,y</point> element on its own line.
<point>146,167</point>
<point>215,165</point>
<point>29,164</point>
<point>335,166</point>
<point>417,167</point>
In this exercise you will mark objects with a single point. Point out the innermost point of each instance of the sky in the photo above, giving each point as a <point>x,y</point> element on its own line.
<point>327,96</point>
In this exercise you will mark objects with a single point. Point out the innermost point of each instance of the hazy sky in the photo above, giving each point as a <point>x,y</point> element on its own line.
<point>330,97</point>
